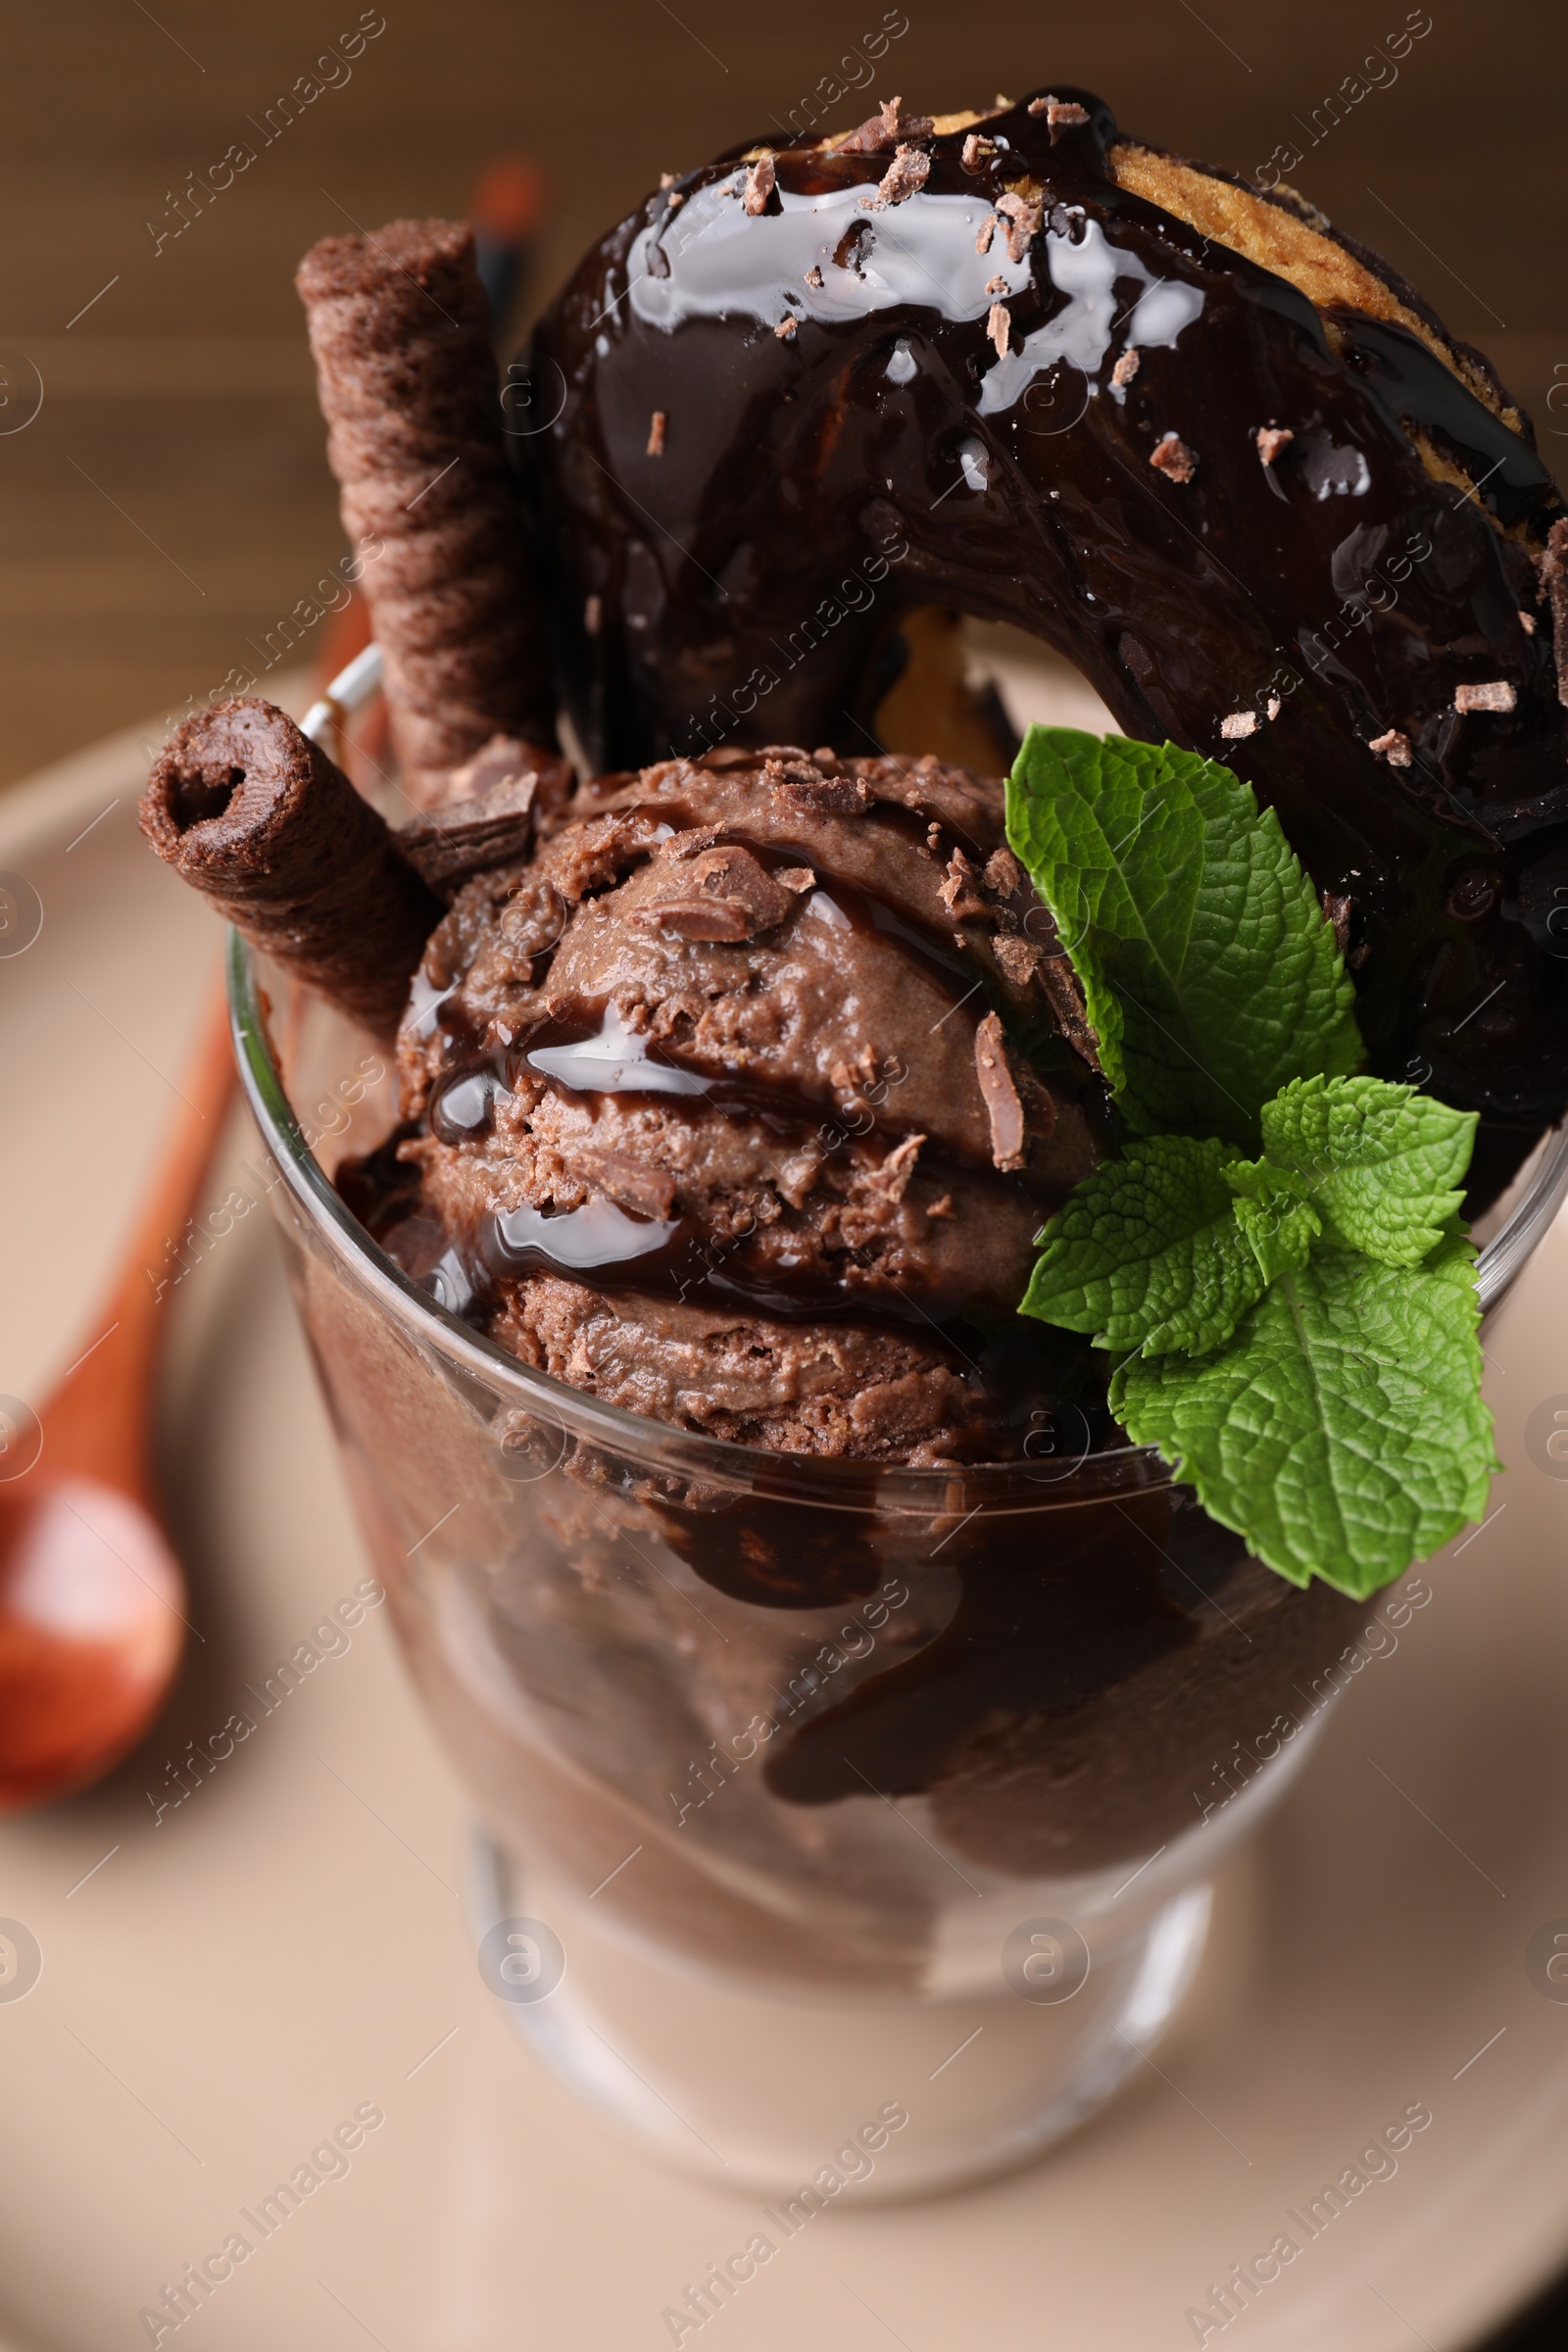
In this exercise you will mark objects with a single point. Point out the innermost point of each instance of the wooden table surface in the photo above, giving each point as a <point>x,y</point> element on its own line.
<point>170,502</point>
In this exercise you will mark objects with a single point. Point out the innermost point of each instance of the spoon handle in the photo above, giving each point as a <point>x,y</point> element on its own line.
<point>97,1420</point>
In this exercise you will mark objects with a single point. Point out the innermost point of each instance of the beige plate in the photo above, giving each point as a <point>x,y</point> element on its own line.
<point>219,1991</point>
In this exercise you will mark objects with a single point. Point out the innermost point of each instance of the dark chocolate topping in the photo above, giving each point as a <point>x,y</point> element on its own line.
<point>748,582</point>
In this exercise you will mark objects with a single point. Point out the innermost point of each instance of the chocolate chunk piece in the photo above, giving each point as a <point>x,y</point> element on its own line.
<point>1271,439</point>
<point>1236,723</point>
<point>487,819</point>
<point>258,818</point>
<point>838,795</point>
<point>646,1191</point>
<point>722,893</point>
<point>760,184</point>
<point>1393,746</point>
<point>1126,367</point>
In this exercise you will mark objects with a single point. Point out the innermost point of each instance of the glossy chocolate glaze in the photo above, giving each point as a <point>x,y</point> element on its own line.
<point>745,584</point>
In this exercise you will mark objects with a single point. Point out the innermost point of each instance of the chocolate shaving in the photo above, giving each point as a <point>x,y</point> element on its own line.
<point>908,171</point>
<point>400,328</point>
<point>785,329</point>
<point>998,326</point>
<point>891,1179</point>
<point>1271,439</point>
<point>256,817</point>
<point>1173,458</point>
<point>656,433</point>
<point>1065,115</point>
<point>759,184</point>
<point>1496,694</point>
<point>1003,1106</point>
<point>884,130</point>
<point>1016,960</point>
<point>1126,367</point>
<point>988,229</point>
<point>1236,723</point>
<point>1004,873</point>
<point>1065,996</point>
<point>813,276</point>
<point>1337,912</point>
<point>1394,747</point>
<point>1022,217</point>
<point>960,893</point>
<point>1553,564</point>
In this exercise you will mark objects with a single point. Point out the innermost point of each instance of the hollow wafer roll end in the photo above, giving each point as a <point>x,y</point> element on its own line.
<point>400,329</point>
<point>256,817</point>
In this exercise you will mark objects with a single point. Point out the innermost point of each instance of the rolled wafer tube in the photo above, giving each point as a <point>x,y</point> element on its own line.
<point>256,817</point>
<point>400,329</point>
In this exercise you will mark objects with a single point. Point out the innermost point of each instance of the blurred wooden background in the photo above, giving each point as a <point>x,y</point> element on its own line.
<point>170,500</point>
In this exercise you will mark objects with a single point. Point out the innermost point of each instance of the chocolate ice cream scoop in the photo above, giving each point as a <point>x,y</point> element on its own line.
<point>742,1102</point>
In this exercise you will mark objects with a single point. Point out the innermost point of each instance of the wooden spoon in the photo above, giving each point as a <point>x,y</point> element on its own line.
<point>91,1594</point>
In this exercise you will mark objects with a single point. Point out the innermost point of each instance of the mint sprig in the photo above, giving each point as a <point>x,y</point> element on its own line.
<point>1297,1329</point>
<point>1341,1431</point>
<point>1208,973</point>
<point>1382,1165</point>
<point>1150,1253</point>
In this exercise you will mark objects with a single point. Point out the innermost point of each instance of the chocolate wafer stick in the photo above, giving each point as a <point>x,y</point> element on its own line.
<point>255,815</point>
<point>400,328</point>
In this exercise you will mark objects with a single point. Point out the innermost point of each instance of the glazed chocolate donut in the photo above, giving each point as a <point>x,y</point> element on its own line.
<point>1224,459</point>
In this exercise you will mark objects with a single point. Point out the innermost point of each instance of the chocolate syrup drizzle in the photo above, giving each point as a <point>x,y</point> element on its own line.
<point>745,584</point>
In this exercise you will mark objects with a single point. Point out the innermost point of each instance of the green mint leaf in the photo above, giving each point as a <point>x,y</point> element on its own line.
<point>1342,1431</point>
<point>1209,975</point>
<point>1382,1164</point>
<point>1148,1251</point>
<point>1281,1229</point>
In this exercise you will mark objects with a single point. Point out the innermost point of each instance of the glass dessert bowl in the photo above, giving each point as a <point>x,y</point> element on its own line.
<point>817,1788</point>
